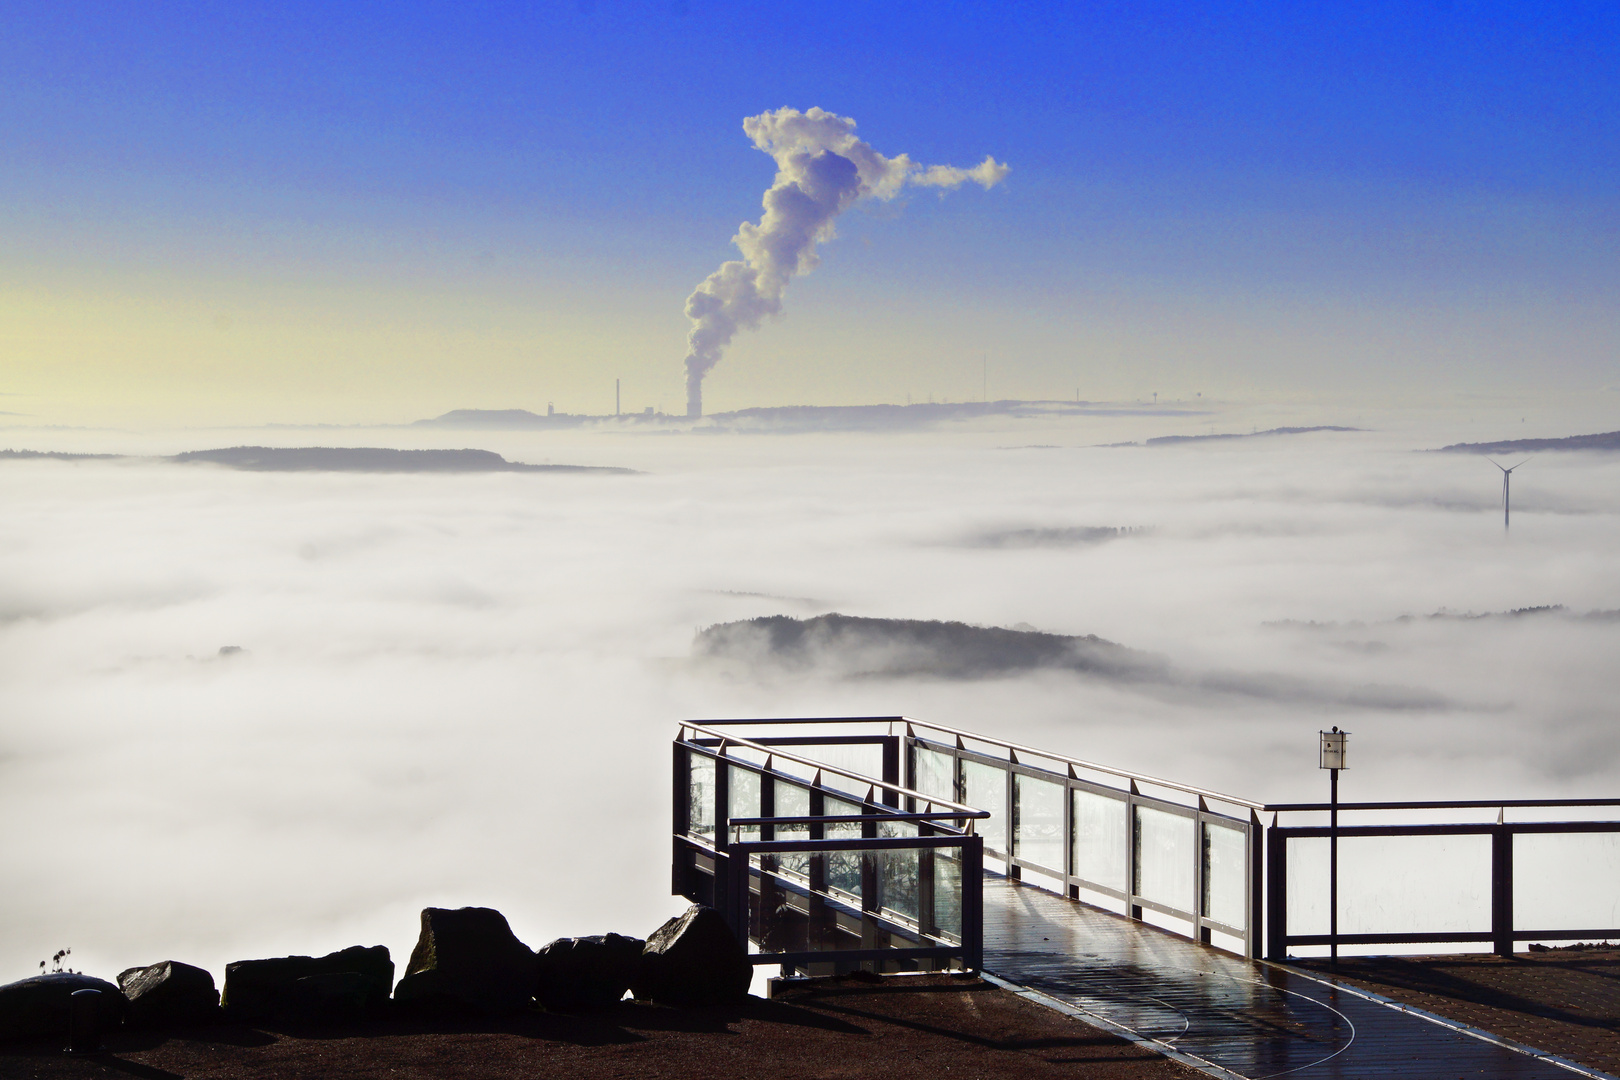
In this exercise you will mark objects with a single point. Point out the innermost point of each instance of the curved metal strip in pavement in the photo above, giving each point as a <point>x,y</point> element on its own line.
<point>1243,1019</point>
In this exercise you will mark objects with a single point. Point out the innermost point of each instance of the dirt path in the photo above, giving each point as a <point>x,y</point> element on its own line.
<point>834,1029</point>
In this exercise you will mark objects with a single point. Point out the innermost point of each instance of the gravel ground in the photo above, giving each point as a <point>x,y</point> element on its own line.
<point>1565,1001</point>
<point>936,1026</point>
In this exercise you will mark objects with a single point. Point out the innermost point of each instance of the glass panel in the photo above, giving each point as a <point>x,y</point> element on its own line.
<point>984,787</point>
<point>792,801</point>
<point>1307,885</point>
<point>1392,884</point>
<point>948,893</point>
<point>1100,841</point>
<point>1566,882</point>
<point>1038,822</point>
<point>792,920</point>
<point>896,874</point>
<point>1413,884</point>
<point>843,867</point>
<point>1225,874</point>
<point>700,795</point>
<point>932,774</point>
<point>1164,858</point>
<point>744,800</point>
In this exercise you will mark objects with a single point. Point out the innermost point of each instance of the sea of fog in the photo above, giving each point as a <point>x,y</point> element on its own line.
<point>458,689</point>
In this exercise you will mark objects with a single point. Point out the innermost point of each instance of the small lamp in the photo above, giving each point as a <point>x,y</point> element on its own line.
<point>1333,749</point>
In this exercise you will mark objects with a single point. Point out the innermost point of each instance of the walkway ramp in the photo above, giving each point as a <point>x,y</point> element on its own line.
<point>1253,1020</point>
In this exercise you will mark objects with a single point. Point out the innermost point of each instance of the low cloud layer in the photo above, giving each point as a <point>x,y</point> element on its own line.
<point>448,680</point>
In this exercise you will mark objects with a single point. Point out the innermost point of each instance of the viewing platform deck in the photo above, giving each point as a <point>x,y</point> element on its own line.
<point>1235,1017</point>
<point>1166,912</point>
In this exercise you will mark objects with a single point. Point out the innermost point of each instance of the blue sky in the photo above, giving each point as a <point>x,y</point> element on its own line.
<point>488,204</point>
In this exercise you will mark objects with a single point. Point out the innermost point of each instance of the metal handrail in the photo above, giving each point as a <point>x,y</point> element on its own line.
<point>1109,770</point>
<point>845,819</point>
<point>962,809</point>
<point>1469,804</point>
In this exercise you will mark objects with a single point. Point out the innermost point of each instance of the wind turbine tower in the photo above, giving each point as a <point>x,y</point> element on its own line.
<point>1507,477</point>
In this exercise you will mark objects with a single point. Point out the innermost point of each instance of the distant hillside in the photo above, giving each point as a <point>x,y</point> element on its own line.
<point>368,459</point>
<point>1166,440</point>
<point>1608,440</point>
<point>844,646</point>
<point>56,455</point>
<point>502,419</point>
<point>891,647</point>
<point>805,418</point>
<point>1054,537</point>
<point>795,418</point>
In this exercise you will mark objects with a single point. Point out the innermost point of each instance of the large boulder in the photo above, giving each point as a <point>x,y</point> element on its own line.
<point>694,959</point>
<point>170,994</point>
<point>40,1007</point>
<point>467,960</point>
<point>272,989</point>
<point>587,972</point>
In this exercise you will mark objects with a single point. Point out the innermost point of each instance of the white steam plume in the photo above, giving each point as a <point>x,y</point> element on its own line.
<point>822,169</point>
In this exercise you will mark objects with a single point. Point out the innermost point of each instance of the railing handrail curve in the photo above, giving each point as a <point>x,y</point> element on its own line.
<point>962,810</point>
<point>1109,770</point>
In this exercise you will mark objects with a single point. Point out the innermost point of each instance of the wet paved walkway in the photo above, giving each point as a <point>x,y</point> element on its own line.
<point>1253,1020</point>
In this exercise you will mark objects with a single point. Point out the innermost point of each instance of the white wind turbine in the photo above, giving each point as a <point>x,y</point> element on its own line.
<point>1507,476</point>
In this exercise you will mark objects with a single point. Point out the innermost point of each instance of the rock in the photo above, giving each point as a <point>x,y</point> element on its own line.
<point>268,989</point>
<point>587,972</point>
<point>40,1007</point>
<point>694,959</point>
<point>170,994</point>
<point>342,997</point>
<point>467,960</point>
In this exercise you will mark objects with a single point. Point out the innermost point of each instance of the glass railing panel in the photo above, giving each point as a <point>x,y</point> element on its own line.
<point>1226,873</point>
<point>1414,884</point>
<point>700,795</point>
<point>895,872</point>
<point>1038,822</point>
<point>1392,884</point>
<point>789,918</point>
<point>1164,858</point>
<point>792,801</point>
<point>933,773</point>
<point>947,920</point>
<point>843,867</point>
<point>1568,881</point>
<point>984,787</point>
<point>1100,839</point>
<point>743,798</point>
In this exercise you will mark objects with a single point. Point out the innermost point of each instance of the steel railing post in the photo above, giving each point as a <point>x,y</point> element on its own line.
<point>1502,889</point>
<point>973,903</point>
<point>1276,894</point>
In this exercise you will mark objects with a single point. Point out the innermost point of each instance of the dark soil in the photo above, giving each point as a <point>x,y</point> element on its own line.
<point>851,1028</point>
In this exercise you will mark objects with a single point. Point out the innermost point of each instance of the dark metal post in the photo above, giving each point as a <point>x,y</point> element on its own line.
<point>1502,889</point>
<point>973,903</point>
<point>723,870</point>
<point>1276,894</point>
<point>680,883</point>
<point>1256,887</point>
<point>1333,865</point>
<point>891,770</point>
<point>1332,757</point>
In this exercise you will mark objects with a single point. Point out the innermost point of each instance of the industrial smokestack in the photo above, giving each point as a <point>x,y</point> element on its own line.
<point>822,169</point>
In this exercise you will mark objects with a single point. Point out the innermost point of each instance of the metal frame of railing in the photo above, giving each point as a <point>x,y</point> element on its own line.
<point>1503,932</point>
<point>704,864</point>
<point>1130,888</point>
<point>748,880</point>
